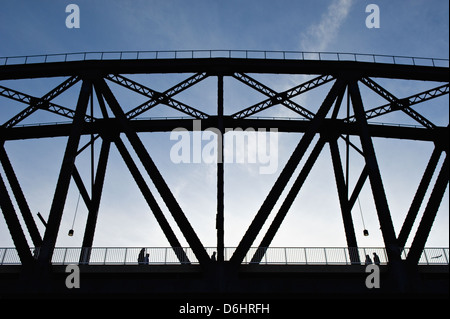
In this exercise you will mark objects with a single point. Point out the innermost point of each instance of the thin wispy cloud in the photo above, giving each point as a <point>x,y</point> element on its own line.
<point>318,36</point>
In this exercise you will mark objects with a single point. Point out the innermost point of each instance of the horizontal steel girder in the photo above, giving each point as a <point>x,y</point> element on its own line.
<point>224,65</point>
<point>283,126</point>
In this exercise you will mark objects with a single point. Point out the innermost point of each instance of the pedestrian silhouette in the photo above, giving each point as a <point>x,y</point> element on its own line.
<point>146,259</point>
<point>376,259</point>
<point>368,260</point>
<point>141,256</point>
<point>213,257</point>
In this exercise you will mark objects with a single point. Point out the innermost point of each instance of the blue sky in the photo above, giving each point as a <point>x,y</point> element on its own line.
<point>410,28</point>
<point>407,27</point>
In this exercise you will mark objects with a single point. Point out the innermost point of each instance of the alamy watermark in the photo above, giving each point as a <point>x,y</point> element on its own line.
<point>373,279</point>
<point>373,19</point>
<point>240,146</point>
<point>73,279</point>
<point>73,19</point>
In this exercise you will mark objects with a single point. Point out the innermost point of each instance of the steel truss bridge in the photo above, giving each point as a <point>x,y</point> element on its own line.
<point>341,114</point>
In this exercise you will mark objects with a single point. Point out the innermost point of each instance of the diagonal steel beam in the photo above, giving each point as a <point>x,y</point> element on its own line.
<point>289,200</point>
<point>429,215</point>
<point>379,195</point>
<point>96,194</point>
<point>155,175</point>
<point>284,97</point>
<point>101,103</point>
<point>342,182</point>
<point>20,198</point>
<point>428,95</point>
<point>255,84</point>
<point>358,187</point>
<point>81,188</point>
<point>152,203</point>
<point>183,85</point>
<point>419,196</point>
<point>343,199</point>
<point>418,117</point>
<point>371,84</point>
<point>13,223</point>
<point>62,186</point>
<point>158,97</point>
<point>286,174</point>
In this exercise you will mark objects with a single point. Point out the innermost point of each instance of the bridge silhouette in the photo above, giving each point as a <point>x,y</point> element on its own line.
<point>243,269</point>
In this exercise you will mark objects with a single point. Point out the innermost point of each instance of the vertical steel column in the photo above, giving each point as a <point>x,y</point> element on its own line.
<point>429,215</point>
<point>220,174</point>
<point>14,226</point>
<point>20,198</point>
<point>286,174</point>
<point>93,146</point>
<point>418,198</point>
<point>62,186</point>
<point>384,216</point>
<point>155,175</point>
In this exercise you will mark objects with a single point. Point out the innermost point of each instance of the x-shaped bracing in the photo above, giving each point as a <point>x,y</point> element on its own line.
<point>42,103</point>
<point>277,98</point>
<point>158,97</point>
<point>402,104</point>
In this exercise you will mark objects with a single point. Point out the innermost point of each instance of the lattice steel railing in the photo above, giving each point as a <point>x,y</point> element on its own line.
<point>273,255</point>
<point>208,54</point>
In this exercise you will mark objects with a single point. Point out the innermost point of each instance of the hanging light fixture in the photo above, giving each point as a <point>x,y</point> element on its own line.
<point>365,231</point>
<point>71,231</point>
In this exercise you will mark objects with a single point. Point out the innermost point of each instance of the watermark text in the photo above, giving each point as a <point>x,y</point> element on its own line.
<point>73,19</point>
<point>247,146</point>
<point>373,19</point>
<point>73,279</point>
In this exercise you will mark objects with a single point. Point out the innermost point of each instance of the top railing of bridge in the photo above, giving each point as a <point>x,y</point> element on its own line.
<point>209,54</point>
